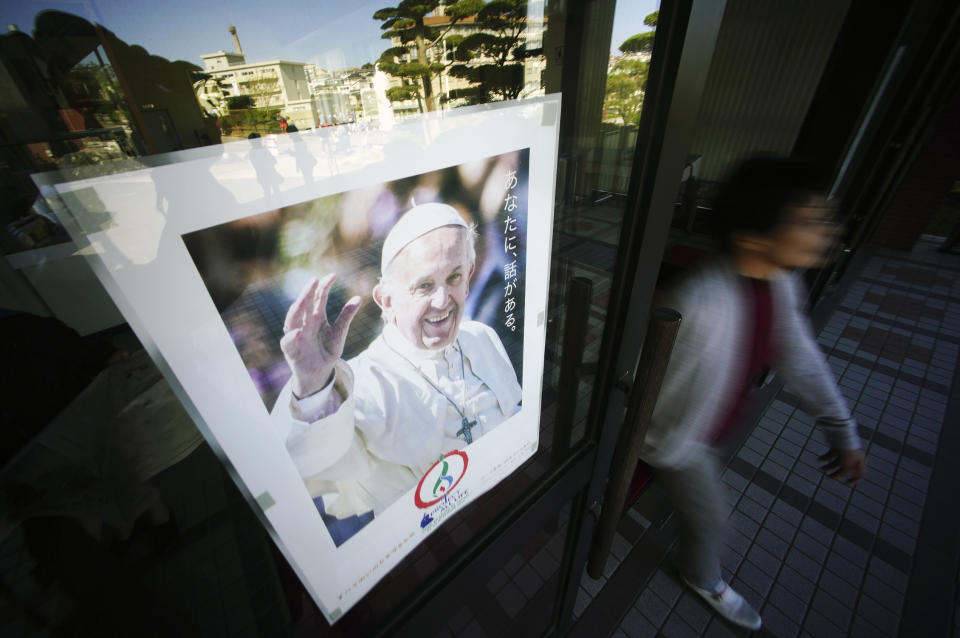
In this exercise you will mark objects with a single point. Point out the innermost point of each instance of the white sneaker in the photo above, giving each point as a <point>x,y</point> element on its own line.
<point>730,605</point>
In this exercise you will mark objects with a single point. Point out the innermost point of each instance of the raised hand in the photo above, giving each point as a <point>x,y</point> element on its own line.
<point>310,344</point>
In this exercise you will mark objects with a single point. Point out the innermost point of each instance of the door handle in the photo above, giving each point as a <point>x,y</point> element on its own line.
<point>657,346</point>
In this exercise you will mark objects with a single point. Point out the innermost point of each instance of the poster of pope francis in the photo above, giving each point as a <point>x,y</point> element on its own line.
<point>363,344</point>
<point>383,327</point>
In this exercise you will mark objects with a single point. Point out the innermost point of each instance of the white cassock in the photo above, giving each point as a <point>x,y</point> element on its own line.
<point>368,437</point>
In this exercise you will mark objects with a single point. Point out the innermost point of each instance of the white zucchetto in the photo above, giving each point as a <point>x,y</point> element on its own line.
<point>416,222</point>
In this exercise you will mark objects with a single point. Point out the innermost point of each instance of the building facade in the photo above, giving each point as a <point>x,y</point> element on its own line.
<point>271,84</point>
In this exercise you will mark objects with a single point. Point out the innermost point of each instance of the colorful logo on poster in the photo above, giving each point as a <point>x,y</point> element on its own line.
<point>440,479</point>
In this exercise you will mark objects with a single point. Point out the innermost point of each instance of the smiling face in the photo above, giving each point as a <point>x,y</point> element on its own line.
<point>426,285</point>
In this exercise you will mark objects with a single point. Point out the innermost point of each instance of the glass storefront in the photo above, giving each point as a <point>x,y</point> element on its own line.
<point>95,89</point>
<point>118,517</point>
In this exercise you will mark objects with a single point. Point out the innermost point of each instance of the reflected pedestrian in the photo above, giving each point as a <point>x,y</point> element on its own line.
<point>265,165</point>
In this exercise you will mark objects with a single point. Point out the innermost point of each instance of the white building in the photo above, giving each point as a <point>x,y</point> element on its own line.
<point>272,84</point>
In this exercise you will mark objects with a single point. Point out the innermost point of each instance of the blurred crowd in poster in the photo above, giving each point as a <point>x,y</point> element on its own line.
<point>255,267</point>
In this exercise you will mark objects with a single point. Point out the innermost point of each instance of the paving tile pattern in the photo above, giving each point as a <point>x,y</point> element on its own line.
<point>816,557</point>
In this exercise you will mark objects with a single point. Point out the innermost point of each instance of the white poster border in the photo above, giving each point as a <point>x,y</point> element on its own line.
<point>132,238</point>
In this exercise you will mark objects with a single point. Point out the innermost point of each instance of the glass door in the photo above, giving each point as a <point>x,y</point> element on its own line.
<point>103,88</point>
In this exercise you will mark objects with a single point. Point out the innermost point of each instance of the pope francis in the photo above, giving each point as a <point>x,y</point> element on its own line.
<point>363,432</point>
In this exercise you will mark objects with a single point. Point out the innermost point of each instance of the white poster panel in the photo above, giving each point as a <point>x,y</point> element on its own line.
<point>355,319</point>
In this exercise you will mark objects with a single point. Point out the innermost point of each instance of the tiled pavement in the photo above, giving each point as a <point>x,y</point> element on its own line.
<point>816,557</point>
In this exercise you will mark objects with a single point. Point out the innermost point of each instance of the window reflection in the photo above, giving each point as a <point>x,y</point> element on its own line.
<point>623,97</point>
<point>592,178</point>
<point>296,93</point>
<point>78,95</point>
<point>90,89</point>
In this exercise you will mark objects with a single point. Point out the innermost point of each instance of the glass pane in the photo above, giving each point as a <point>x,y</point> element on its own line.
<point>593,174</point>
<point>90,83</point>
<point>94,87</point>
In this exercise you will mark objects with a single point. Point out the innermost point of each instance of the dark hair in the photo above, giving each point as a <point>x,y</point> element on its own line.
<point>759,192</point>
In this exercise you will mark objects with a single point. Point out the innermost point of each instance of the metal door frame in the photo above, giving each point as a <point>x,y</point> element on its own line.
<point>683,49</point>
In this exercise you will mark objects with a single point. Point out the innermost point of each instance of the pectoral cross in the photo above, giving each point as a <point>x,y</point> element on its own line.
<point>465,430</point>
